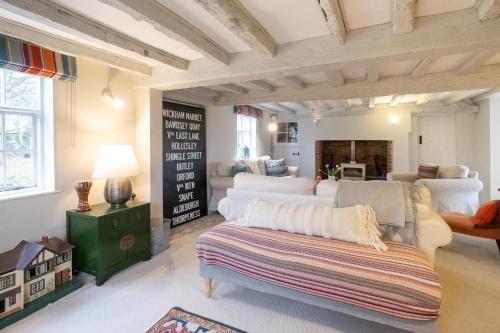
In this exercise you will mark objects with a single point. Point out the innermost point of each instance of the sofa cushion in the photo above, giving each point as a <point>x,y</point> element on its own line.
<point>453,171</point>
<point>221,183</point>
<point>294,185</point>
<point>487,213</point>
<point>236,169</point>
<point>276,168</point>
<point>428,171</point>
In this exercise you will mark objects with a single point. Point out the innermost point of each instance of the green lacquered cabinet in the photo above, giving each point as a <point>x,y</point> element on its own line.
<point>109,240</point>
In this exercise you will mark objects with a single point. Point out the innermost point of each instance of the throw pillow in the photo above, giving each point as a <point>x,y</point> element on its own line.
<point>236,169</point>
<point>224,169</point>
<point>276,168</point>
<point>253,166</point>
<point>487,212</point>
<point>261,162</point>
<point>428,171</point>
<point>454,171</point>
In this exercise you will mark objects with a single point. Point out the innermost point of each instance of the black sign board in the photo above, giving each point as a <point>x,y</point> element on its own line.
<point>184,163</point>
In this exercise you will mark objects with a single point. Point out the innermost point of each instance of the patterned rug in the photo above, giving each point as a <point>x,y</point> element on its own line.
<point>178,320</point>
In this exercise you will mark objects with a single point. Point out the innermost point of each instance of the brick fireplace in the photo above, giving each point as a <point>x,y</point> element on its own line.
<point>376,154</point>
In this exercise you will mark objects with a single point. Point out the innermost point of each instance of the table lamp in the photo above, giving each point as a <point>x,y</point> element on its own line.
<point>116,163</point>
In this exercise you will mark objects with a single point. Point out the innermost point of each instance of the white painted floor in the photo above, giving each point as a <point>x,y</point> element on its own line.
<point>136,298</point>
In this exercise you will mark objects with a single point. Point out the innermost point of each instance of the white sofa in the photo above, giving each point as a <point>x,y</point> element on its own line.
<point>220,178</point>
<point>433,232</point>
<point>449,194</point>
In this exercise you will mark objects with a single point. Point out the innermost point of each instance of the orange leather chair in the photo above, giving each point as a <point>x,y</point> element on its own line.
<point>464,224</point>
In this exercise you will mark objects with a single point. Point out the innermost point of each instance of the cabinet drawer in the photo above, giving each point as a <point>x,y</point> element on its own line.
<point>139,215</point>
<point>115,221</point>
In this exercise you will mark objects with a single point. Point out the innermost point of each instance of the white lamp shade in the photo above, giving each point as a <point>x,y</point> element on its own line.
<point>115,161</point>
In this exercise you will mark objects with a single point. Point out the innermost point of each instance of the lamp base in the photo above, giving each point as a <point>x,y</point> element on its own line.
<point>117,191</point>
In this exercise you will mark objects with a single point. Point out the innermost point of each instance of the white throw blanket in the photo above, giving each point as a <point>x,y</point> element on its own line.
<point>352,224</point>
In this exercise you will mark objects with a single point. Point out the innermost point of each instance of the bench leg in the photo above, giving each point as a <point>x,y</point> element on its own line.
<point>498,244</point>
<point>208,287</point>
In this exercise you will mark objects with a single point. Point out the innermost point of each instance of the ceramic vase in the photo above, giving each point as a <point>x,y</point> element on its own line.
<point>332,178</point>
<point>82,190</point>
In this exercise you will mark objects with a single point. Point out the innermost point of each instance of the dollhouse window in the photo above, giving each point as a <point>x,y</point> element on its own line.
<point>37,286</point>
<point>42,269</point>
<point>7,281</point>
<point>12,300</point>
<point>67,256</point>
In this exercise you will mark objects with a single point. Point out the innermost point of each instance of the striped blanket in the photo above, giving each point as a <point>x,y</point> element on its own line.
<point>399,282</point>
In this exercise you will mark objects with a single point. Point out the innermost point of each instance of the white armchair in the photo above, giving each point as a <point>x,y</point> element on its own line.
<point>448,194</point>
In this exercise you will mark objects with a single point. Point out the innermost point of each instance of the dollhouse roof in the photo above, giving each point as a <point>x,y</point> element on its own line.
<point>19,257</point>
<point>56,245</point>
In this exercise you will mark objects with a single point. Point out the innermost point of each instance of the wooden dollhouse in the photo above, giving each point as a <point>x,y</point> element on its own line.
<point>32,270</point>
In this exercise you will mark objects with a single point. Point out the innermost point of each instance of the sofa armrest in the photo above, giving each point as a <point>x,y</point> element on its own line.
<point>433,232</point>
<point>293,171</point>
<point>474,174</point>
<point>220,182</point>
<point>470,185</point>
<point>402,177</point>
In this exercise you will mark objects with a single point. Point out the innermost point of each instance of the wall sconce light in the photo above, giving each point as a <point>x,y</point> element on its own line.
<point>394,119</point>
<point>273,126</point>
<point>315,123</point>
<point>107,94</point>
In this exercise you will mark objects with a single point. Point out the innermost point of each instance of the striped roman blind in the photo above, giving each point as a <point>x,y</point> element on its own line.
<point>22,56</point>
<point>247,110</point>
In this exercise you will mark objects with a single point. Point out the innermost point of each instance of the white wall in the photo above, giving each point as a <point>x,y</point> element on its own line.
<point>363,127</point>
<point>495,147</point>
<point>483,148</point>
<point>96,124</point>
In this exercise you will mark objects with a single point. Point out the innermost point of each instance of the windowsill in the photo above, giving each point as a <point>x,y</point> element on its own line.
<point>25,194</point>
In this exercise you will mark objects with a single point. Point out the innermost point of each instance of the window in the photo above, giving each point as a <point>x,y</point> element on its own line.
<point>23,113</point>
<point>66,256</point>
<point>12,300</point>
<point>42,269</point>
<point>37,286</point>
<point>7,281</point>
<point>287,133</point>
<point>246,131</point>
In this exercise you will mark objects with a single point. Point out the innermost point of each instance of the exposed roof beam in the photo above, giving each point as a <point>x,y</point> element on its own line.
<point>396,99</point>
<point>488,9</point>
<point>282,108</point>
<point>172,25</point>
<point>485,77</point>
<point>437,35</point>
<point>347,103</point>
<point>403,16</point>
<point>293,81</point>
<point>239,21</point>
<point>456,97</point>
<point>261,84</point>
<point>60,18</point>
<point>371,102</point>
<point>423,66</point>
<point>334,19</point>
<point>187,97</point>
<point>486,94</point>
<point>234,88</point>
<point>336,77</point>
<point>372,73</point>
<point>425,98</point>
<point>475,61</point>
<point>71,48</point>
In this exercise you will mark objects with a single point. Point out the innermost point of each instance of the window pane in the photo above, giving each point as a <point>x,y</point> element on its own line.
<point>19,167</point>
<point>1,133</point>
<point>22,90</point>
<point>18,132</point>
<point>1,172</point>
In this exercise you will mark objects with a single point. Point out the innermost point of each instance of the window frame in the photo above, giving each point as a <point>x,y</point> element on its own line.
<point>12,300</point>
<point>37,287</point>
<point>42,141</point>
<point>252,132</point>
<point>7,281</point>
